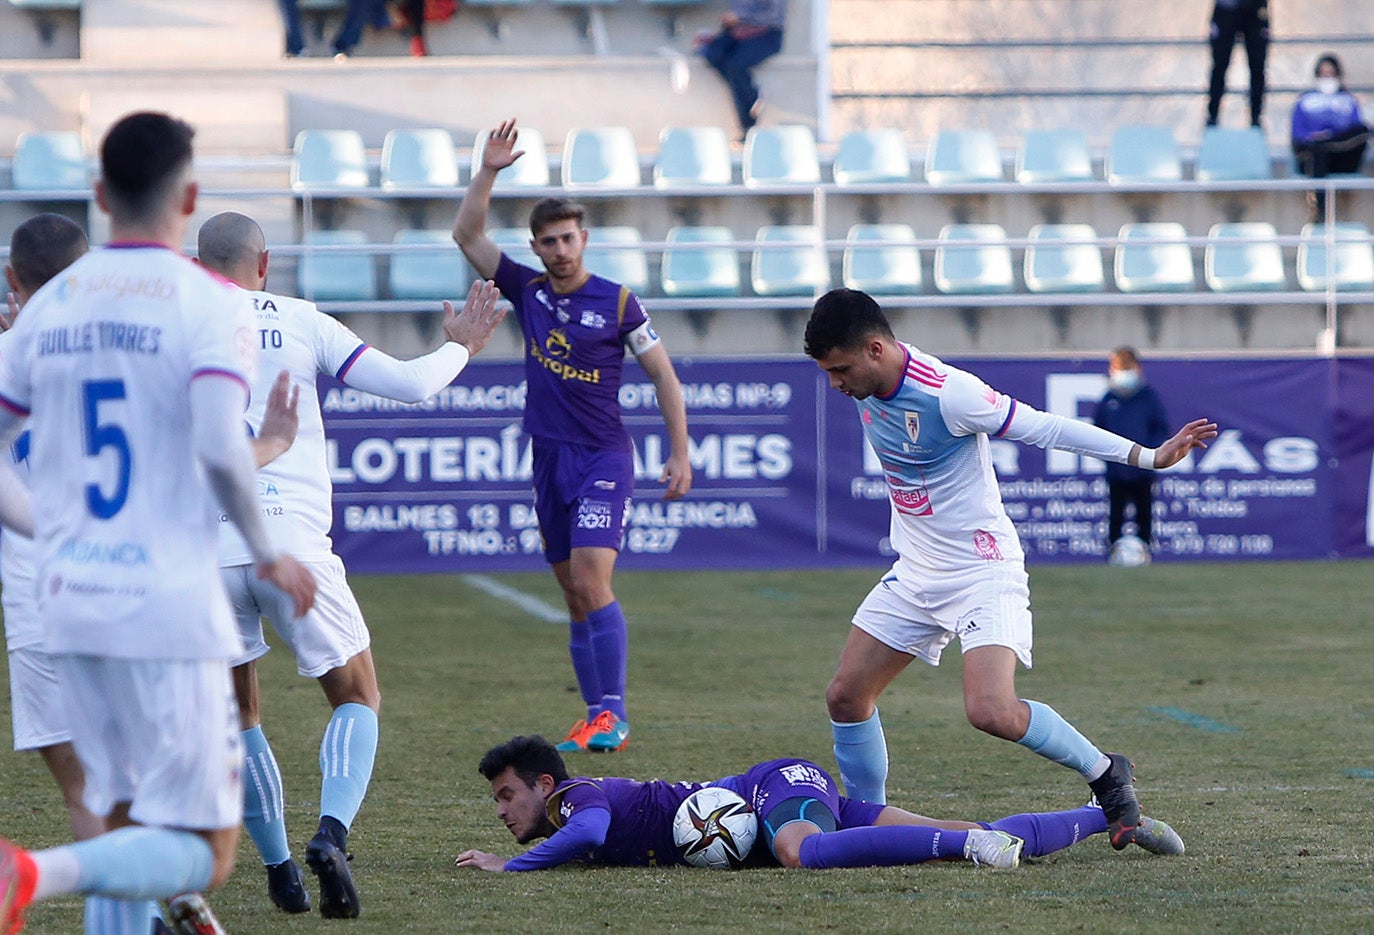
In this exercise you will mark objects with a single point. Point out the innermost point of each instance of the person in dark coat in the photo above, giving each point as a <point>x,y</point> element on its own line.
<point>1131,408</point>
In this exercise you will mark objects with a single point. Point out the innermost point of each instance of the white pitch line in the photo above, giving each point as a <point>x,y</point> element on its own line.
<point>526,602</point>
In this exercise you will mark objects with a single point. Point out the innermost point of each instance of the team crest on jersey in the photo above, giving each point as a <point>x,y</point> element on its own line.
<point>985,544</point>
<point>913,426</point>
<point>557,344</point>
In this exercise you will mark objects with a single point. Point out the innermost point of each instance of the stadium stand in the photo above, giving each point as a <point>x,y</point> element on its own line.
<point>781,155</point>
<point>711,270</point>
<point>1054,156</point>
<point>600,157</point>
<point>337,275</point>
<point>1244,257</point>
<point>692,156</point>
<point>963,157</point>
<point>1063,258</point>
<point>789,261</point>
<point>1143,154</point>
<point>614,252</point>
<point>1338,255</point>
<point>419,159</point>
<point>882,259</point>
<point>973,259</point>
<point>529,171</point>
<point>50,162</point>
<point>1153,257</point>
<point>428,275</point>
<point>865,156</point>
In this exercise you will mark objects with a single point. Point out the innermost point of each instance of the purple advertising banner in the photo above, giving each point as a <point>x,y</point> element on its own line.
<point>784,479</point>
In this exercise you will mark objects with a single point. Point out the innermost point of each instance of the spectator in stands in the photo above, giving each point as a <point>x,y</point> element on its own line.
<point>360,14</point>
<point>1131,408</point>
<point>414,12</point>
<point>1329,134</point>
<point>750,32</point>
<point>1230,18</point>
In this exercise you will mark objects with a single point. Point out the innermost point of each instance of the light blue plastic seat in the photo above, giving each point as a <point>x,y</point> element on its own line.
<point>980,268</point>
<point>1152,257</point>
<point>600,157</point>
<point>710,271</point>
<point>692,156</point>
<point>962,157</point>
<point>1054,156</point>
<point>529,171</point>
<point>1352,262</point>
<point>337,277</point>
<point>628,266</point>
<point>1141,153</point>
<point>781,155</point>
<point>800,269</point>
<point>1072,266</point>
<point>434,275</point>
<point>419,159</point>
<point>882,270</point>
<point>1243,257</point>
<point>872,156</point>
<point>1233,154</point>
<point>329,159</point>
<point>50,161</point>
<point>515,243</point>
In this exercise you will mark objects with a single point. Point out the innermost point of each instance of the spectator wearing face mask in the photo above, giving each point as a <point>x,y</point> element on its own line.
<point>1131,408</point>
<point>1329,134</point>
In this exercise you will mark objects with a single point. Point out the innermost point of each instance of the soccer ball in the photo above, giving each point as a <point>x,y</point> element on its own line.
<point>1130,552</point>
<point>714,828</point>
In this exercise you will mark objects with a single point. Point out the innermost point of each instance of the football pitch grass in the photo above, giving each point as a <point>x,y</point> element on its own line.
<point>1244,694</point>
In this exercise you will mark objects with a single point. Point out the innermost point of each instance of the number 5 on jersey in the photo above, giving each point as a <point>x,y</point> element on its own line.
<point>102,435</point>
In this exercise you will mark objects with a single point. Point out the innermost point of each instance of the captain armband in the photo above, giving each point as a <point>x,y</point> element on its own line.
<point>642,339</point>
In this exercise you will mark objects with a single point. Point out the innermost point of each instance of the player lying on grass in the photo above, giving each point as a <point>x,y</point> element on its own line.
<point>803,819</point>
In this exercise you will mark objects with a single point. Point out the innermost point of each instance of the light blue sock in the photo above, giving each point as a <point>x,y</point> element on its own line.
<point>346,757</point>
<point>105,916</point>
<point>861,752</point>
<point>143,863</point>
<point>1056,739</point>
<point>263,814</point>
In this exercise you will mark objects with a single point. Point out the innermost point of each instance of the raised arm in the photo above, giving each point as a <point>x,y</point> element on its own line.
<point>411,381</point>
<point>677,472</point>
<point>470,226</point>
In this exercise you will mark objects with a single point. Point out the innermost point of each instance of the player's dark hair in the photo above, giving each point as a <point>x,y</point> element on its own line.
<point>140,157</point>
<point>549,210</point>
<point>843,319</point>
<point>530,757</point>
<point>44,246</point>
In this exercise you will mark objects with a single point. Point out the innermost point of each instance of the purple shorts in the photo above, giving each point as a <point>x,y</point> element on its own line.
<point>581,495</point>
<point>783,791</point>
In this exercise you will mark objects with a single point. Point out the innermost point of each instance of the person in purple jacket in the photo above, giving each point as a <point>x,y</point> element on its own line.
<point>803,820</point>
<point>576,327</point>
<point>1329,134</point>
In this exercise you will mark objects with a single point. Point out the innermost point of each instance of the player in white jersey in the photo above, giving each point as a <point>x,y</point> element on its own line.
<point>40,248</point>
<point>960,571</point>
<point>134,365</point>
<point>331,643</point>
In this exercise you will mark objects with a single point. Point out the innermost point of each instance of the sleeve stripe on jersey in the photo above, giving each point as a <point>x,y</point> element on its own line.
<point>352,359</point>
<point>13,406</point>
<point>620,305</point>
<point>919,370</point>
<point>925,376</point>
<point>1007,422</point>
<point>217,372</point>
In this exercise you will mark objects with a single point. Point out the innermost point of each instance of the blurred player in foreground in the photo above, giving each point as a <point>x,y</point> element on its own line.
<point>134,365</point>
<point>803,820</point>
<point>331,643</point>
<point>960,571</point>
<point>576,327</point>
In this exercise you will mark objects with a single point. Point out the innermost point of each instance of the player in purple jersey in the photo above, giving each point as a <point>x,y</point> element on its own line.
<point>576,327</point>
<point>803,820</point>
<point>960,571</point>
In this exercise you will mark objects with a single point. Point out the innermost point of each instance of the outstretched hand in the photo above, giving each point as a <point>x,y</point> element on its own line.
<point>1195,434</point>
<point>473,326</point>
<point>280,420</point>
<point>481,860</point>
<point>500,150</point>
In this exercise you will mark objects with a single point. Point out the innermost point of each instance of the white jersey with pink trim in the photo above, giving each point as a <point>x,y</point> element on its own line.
<point>104,356</point>
<point>294,490</point>
<point>931,436</point>
<point>22,628</point>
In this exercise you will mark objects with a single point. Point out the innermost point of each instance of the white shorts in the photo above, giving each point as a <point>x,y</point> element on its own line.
<point>161,734</point>
<point>332,633</point>
<point>36,706</point>
<point>988,605</point>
